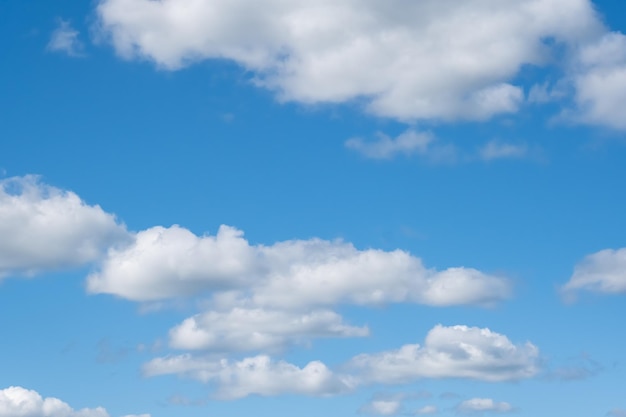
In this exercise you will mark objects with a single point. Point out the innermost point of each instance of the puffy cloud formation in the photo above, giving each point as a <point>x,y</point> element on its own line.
<point>173,262</point>
<point>600,82</point>
<point>255,375</point>
<point>602,272</point>
<point>21,402</point>
<point>451,352</point>
<point>483,405</point>
<point>257,329</point>
<point>404,59</point>
<point>43,228</point>
<point>448,352</point>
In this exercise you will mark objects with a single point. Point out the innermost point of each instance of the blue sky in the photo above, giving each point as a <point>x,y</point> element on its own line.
<point>283,208</point>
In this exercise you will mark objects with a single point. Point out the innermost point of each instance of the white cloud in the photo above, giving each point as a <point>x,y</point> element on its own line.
<point>43,228</point>
<point>602,272</point>
<point>243,329</point>
<point>500,150</point>
<point>600,82</point>
<point>451,352</point>
<point>426,410</point>
<point>408,60</point>
<point>617,413</point>
<point>21,402</point>
<point>483,405</point>
<point>382,407</point>
<point>172,262</point>
<point>407,143</point>
<point>258,375</point>
<point>296,275</point>
<point>448,352</point>
<point>65,39</point>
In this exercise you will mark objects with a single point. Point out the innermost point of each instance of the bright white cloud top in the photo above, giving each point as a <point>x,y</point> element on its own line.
<point>377,167</point>
<point>448,352</point>
<point>424,60</point>
<point>259,375</point>
<point>44,228</point>
<point>172,262</point>
<point>452,352</point>
<point>257,329</point>
<point>22,402</point>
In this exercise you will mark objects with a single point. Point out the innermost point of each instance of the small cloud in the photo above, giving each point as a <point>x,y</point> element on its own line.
<point>603,272</point>
<point>382,407</point>
<point>388,404</point>
<point>499,150</point>
<point>546,93</point>
<point>65,40</point>
<point>483,405</point>
<point>426,410</point>
<point>617,412</point>
<point>408,143</point>
<point>227,117</point>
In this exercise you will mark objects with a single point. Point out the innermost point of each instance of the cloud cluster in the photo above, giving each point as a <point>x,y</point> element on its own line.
<point>403,59</point>
<point>258,375</point>
<point>266,298</point>
<point>21,402</point>
<point>172,262</point>
<point>448,352</point>
<point>258,329</point>
<point>602,272</point>
<point>44,228</point>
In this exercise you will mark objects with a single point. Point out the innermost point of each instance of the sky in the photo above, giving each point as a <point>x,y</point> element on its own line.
<point>294,208</point>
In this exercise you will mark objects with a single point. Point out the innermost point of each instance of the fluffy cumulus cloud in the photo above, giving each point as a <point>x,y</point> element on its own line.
<point>258,375</point>
<point>65,39</point>
<point>43,228</point>
<point>173,262</point>
<point>404,59</point>
<point>602,272</point>
<point>21,402</point>
<point>451,352</point>
<point>258,329</point>
<point>599,79</point>
<point>483,405</point>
